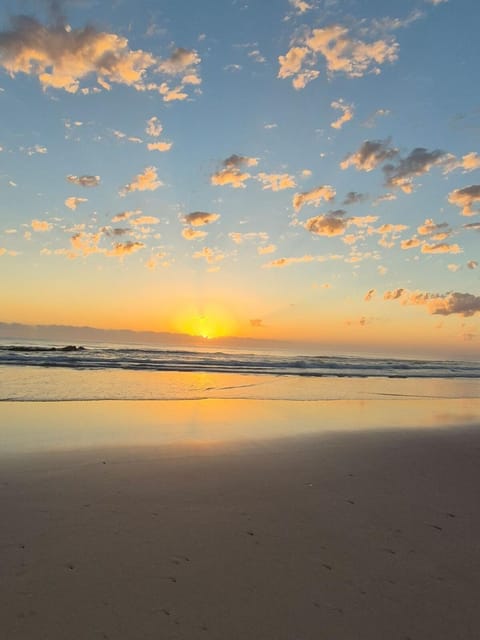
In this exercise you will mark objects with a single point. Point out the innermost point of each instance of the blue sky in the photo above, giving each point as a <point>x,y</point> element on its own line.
<point>328,151</point>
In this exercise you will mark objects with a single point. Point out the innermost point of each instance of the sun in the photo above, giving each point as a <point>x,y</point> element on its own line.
<point>211,321</point>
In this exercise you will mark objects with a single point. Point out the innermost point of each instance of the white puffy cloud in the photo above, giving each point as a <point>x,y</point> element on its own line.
<point>154,127</point>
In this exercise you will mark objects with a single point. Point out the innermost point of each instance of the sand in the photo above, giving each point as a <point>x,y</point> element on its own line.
<point>367,535</point>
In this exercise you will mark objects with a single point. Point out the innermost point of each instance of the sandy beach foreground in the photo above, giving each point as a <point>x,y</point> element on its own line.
<point>327,535</point>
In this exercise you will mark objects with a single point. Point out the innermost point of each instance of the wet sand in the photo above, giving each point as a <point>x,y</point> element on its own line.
<point>335,535</point>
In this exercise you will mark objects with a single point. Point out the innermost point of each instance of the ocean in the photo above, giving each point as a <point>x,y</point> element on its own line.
<point>47,371</point>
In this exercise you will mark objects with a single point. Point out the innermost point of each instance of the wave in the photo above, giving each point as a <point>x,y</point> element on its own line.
<point>149,359</point>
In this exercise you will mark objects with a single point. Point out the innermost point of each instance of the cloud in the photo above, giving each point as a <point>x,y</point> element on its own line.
<point>231,173</point>
<point>371,121</point>
<point>418,162</point>
<point>301,6</point>
<point>146,181</point>
<point>268,248</point>
<point>430,227</point>
<point>72,203</point>
<point>326,225</point>
<point>465,199</point>
<point>315,196</point>
<point>37,148</point>
<point>153,128</point>
<point>370,294</point>
<point>121,249</point>
<point>211,256</point>
<point>468,162</point>
<point>285,262</point>
<point>341,51</point>
<point>144,220</point>
<point>124,215</point>
<point>159,146</point>
<point>200,218</point>
<point>61,57</point>
<point>41,225</point>
<point>353,197</point>
<point>387,197</point>
<point>172,94</point>
<point>84,181</point>
<point>277,181</point>
<point>239,238</point>
<point>411,243</point>
<point>370,154</point>
<point>347,113</point>
<point>180,61</point>
<point>472,264</point>
<point>452,302</point>
<point>193,234</point>
<point>441,248</point>
<point>472,225</point>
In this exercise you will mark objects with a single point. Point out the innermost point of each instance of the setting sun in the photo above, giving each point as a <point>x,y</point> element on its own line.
<point>211,321</point>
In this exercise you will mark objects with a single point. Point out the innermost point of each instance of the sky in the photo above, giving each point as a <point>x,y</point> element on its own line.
<point>290,170</point>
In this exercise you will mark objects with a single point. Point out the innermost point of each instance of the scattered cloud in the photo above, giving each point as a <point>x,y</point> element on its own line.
<point>268,248</point>
<point>315,196</point>
<point>452,302</point>
<point>370,294</point>
<point>301,6</point>
<point>125,215</point>
<point>276,181</point>
<point>465,199</point>
<point>472,264</point>
<point>41,225</point>
<point>159,146</point>
<point>72,202</point>
<point>154,127</point>
<point>347,113</point>
<point>418,162</point>
<point>146,181</point>
<point>232,171</point>
<point>371,121</point>
<point>341,51</point>
<point>84,181</point>
<point>121,249</point>
<point>285,262</point>
<point>326,225</point>
<point>370,155</point>
<point>193,234</point>
<point>211,256</point>
<point>468,162</point>
<point>441,248</point>
<point>144,220</point>
<point>239,238</point>
<point>200,218</point>
<point>353,197</point>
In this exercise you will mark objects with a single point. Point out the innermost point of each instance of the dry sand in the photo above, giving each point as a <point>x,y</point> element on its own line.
<point>340,536</point>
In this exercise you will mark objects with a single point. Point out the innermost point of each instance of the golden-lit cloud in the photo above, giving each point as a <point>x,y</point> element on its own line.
<point>468,162</point>
<point>125,215</point>
<point>211,256</point>
<point>472,264</point>
<point>370,294</point>
<point>84,181</point>
<point>286,262</point>
<point>347,113</point>
<point>200,218</point>
<point>442,247</point>
<point>121,249</point>
<point>326,225</point>
<point>232,172</point>
<point>314,197</point>
<point>159,146</point>
<point>180,62</point>
<point>277,181</point>
<point>144,220</point>
<point>465,199</point>
<point>239,238</point>
<point>72,203</point>
<point>430,227</point>
<point>452,302</point>
<point>370,155</point>
<point>411,243</point>
<point>268,248</point>
<point>153,128</point>
<point>146,181</point>
<point>193,234</point>
<point>418,162</point>
<point>41,225</point>
<point>301,5</point>
<point>341,51</point>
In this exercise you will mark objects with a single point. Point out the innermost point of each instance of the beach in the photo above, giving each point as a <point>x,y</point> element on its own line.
<point>339,520</point>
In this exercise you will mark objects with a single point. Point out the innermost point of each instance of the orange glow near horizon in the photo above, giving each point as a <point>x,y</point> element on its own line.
<point>210,321</point>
